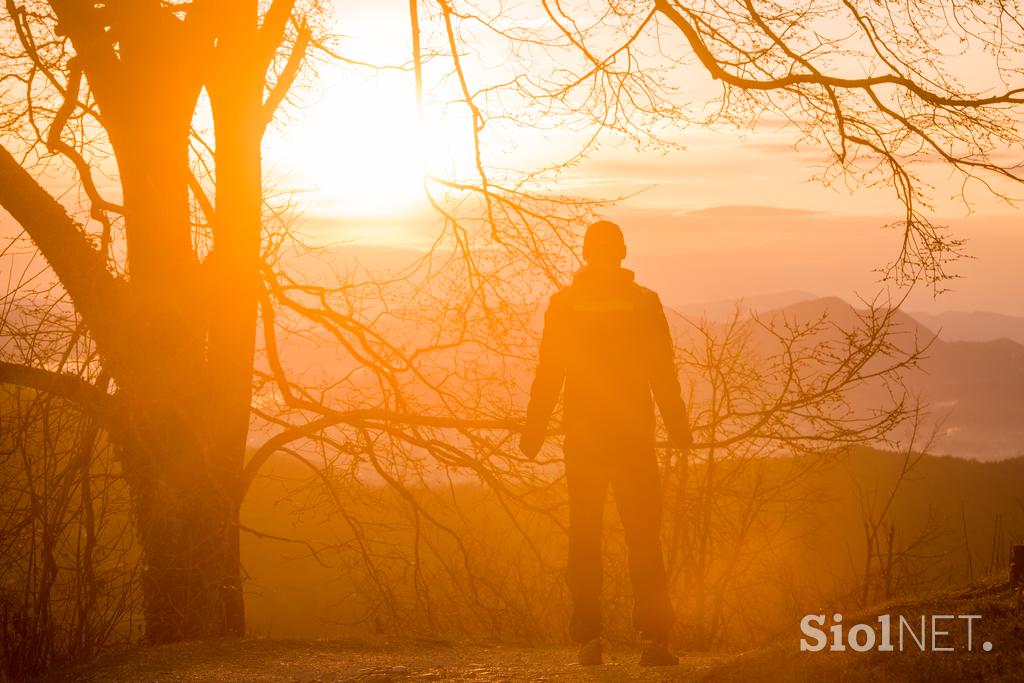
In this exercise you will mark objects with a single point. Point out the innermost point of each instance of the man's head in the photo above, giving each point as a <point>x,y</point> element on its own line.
<point>603,245</point>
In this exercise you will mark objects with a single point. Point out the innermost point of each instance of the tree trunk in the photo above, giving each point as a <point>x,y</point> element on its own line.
<point>187,392</point>
<point>187,516</point>
<point>184,442</point>
<point>176,336</point>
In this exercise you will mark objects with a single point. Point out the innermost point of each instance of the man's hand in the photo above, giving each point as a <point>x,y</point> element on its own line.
<point>530,443</point>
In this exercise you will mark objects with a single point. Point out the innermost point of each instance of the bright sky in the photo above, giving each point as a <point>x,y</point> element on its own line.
<point>355,152</point>
<point>354,146</point>
<point>731,214</point>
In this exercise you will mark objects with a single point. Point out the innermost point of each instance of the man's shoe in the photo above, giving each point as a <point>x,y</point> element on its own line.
<point>590,653</point>
<point>656,653</point>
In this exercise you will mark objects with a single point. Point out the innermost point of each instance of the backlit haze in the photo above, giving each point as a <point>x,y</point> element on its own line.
<point>735,213</point>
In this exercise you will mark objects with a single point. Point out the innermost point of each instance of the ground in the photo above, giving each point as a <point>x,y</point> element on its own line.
<point>408,660</point>
<point>399,661</point>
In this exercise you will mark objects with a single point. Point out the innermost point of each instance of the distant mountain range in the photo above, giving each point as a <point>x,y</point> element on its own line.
<point>724,309</point>
<point>952,326</point>
<point>975,389</point>
<point>975,326</point>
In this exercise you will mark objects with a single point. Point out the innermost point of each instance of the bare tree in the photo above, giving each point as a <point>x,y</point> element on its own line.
<point>171,310</point>
<point>175,271</point>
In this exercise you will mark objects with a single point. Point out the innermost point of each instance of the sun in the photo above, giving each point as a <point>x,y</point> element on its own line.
<point>358,149</point>
<point>355,145</point>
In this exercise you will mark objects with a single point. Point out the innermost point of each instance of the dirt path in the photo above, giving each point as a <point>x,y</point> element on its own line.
<point>366,662</point>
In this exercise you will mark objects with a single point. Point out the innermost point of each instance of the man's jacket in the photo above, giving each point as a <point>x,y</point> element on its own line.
<point>606,338</point>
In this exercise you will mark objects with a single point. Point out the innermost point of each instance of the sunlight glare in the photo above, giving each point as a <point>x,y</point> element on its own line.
<point>359,148</point>
<point>355,147</point>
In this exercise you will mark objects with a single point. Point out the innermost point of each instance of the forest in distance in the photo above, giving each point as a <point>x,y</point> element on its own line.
<point>324,320</point>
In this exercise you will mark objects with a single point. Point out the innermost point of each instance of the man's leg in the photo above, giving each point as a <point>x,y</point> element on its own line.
<point>587,480</point>
<point>638,498</point>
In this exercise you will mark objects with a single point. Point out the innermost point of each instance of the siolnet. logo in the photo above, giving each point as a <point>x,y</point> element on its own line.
<point>932,633</point>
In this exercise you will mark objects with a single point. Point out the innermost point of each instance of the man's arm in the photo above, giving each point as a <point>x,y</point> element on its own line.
<point>548,383</point>
<point>665,381</point>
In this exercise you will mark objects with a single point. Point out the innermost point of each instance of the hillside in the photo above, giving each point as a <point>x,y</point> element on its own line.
<point>1001,610</point>
<point>819,546</point>
<point>974,389</point>
<point>973,325</point>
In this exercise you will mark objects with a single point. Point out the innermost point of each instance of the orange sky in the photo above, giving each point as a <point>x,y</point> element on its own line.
<point>355,153</point>
<point>352,152</point>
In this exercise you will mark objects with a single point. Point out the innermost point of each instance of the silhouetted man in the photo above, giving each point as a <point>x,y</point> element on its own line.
<point>607,339</point>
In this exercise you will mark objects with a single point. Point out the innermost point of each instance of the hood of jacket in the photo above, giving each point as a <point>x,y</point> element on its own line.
<point>603,277</point>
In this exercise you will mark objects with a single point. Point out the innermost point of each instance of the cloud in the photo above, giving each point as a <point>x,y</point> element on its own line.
<point>753,210</point>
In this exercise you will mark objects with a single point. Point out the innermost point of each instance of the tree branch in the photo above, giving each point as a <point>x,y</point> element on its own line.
<point>98,295</point>
<point>275,21</point>
<point>717,71</point>
<point>291,69</point>
<point>81,22</point>
<point>69,387</point>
